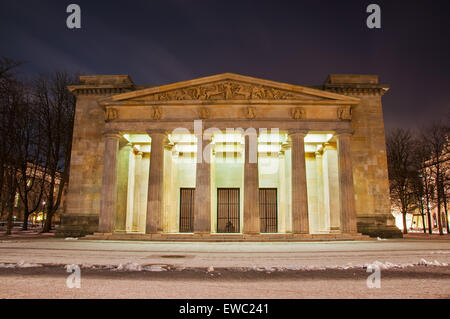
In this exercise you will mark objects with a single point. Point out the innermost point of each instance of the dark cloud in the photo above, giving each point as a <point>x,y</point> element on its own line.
<point>297,42</point>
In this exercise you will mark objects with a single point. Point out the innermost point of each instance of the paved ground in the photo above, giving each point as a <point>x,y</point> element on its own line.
<point>241,270</point>
<point>49,282</point>
<point>59,251</point>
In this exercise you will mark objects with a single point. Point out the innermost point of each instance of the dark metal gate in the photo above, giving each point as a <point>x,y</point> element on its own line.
<point>268,210</point>
<point>187,210</point>
<point>228,210</point>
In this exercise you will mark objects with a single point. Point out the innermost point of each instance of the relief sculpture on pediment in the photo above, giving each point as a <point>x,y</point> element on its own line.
<point>224,90</point>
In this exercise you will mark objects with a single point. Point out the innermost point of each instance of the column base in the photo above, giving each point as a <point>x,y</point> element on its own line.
<point>335,230</point>
<point>379,226</point>
<point>77,225</point>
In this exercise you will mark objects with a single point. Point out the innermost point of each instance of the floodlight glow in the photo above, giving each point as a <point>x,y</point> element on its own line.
<point>318,138</point>
<point>137,138</point>
<point>182,138</point>
<point>184,148</point>
<point>272,138</point>
<point>228,138</point>
<point>269,148</point>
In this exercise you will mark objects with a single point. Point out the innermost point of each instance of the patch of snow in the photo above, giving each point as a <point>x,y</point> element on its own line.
<point>71,238</point>
<point>109,267</point>
<point>23,264</point>
<point>155,268</point>
<point>441,252</point>
<point>129,267</point>
<point>20,264</point>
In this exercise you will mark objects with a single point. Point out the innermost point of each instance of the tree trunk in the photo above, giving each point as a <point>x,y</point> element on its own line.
<point>439,217</point>
<point>10,224</point>
<point>430,225</point>
<point>445,211</point>
<point>446,220</point>
<point>48,222</point>
<point>26,215</point>
<point>423,217</point>
<point>405,228</point>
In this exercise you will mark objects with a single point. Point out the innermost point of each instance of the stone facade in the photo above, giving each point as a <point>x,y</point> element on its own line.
<point>135,150</point>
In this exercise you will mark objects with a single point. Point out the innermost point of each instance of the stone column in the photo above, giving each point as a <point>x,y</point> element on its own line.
<point>346,191</point>
<point>283,193</point>
<point>139,191</point>
<point>323,218</point>
<point>109,184</point>
<point>155,184</point>
<point>251,186</point>
<point>122,186</point>
<point>202,200</point>
<point>331,183</point>
<point>300,222</point>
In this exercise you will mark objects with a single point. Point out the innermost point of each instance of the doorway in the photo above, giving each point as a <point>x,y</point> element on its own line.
<point>228,209</point>
<point>187,210</point>
<point>268,210</point>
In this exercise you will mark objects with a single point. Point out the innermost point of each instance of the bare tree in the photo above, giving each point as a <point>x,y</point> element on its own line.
<point>436,137</point>
<point>57,110</point>
<point>12,104</point>
<point>7,84</point>
<point>32,174</point>
<point>426,191</point>
<point>400,154</point>
<point>419,196</point>
<point>6,69</point>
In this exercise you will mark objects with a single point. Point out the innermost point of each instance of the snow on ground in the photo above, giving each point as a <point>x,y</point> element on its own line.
<point>21,264</point>
<point>135,267</point>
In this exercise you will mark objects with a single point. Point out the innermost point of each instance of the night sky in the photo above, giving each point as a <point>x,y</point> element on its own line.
<point>298,42</point>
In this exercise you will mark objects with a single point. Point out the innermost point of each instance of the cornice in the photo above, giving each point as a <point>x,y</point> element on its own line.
<point>368,90</point>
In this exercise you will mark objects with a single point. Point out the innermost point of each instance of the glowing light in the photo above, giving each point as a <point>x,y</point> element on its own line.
<point>272,138</point>
<point>182,138</point>
<point>318,138</point>
<point>137,138</point>
<point>183,148</point>
<point>269,148</point>
<point>228,138</point>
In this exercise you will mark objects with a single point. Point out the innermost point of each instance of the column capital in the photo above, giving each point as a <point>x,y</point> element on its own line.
<point>298,132</point>
<point>157,132</point>
<point>112,134</point>
<point>139,155</point>
<point>168,145</point>
<point>347,132</point>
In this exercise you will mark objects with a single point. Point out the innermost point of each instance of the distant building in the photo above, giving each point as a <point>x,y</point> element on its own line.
<point>39,216</point>
<point>414,219</point>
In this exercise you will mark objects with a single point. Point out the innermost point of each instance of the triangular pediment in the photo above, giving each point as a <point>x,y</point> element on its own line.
<point>230,87</point>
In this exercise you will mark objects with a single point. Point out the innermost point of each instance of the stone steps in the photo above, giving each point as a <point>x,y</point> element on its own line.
<point>228,237</point>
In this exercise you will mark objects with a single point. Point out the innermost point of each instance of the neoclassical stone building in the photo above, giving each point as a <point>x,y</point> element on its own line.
<point>229,157</point>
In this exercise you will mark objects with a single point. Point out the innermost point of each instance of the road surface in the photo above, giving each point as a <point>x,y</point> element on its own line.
<point>409,269</point>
